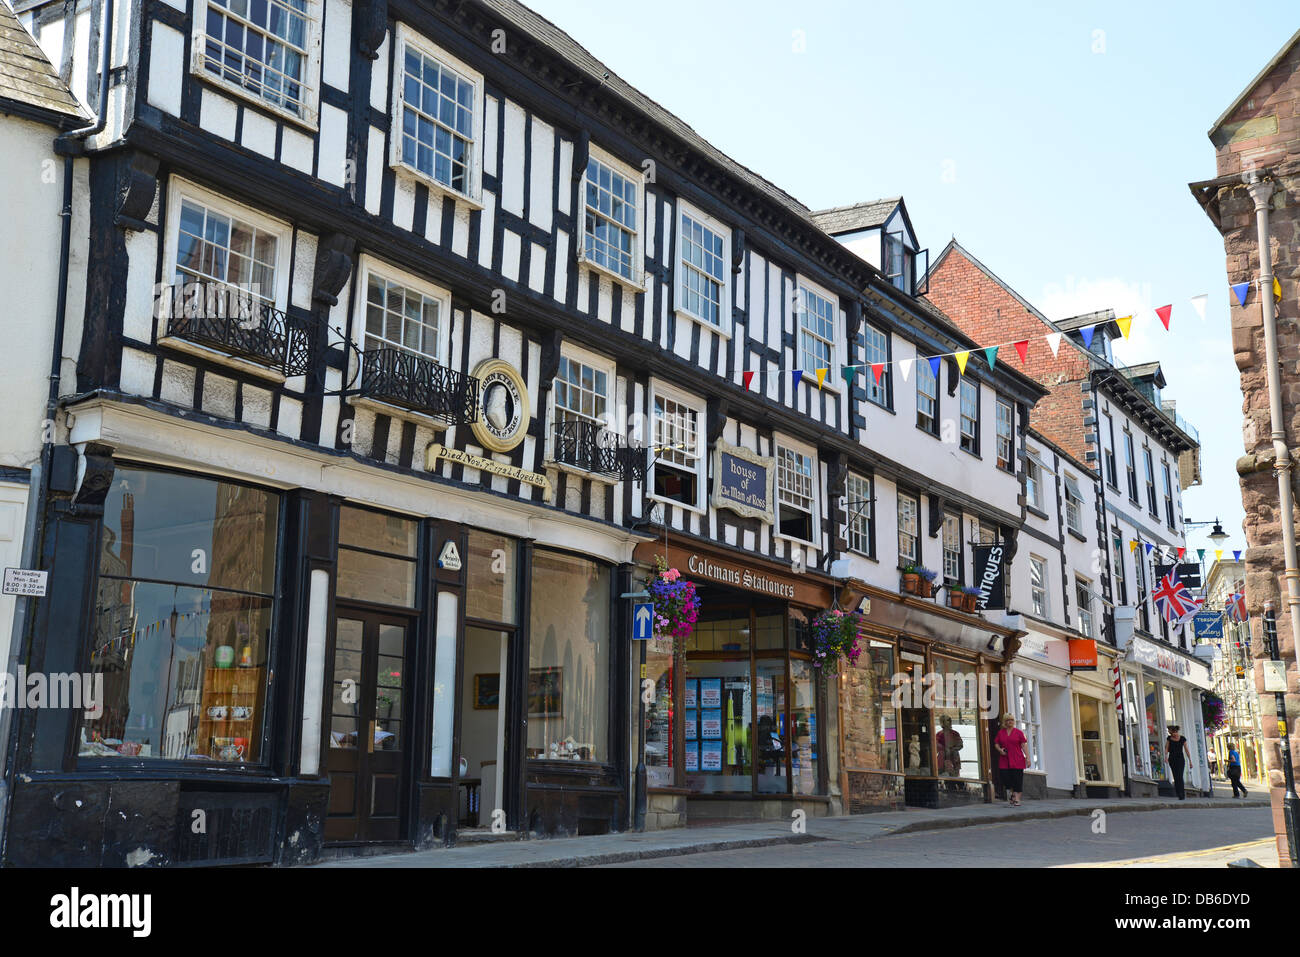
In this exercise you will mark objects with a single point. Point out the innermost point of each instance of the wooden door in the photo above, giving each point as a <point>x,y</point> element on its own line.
<point>367,739</point>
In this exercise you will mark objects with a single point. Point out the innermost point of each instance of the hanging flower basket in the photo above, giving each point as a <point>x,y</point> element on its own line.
<point>834,637</point>
<point>1213,713</point>
<point>677,606</point>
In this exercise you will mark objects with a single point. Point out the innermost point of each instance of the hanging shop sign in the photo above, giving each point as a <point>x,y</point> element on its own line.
<point>1083,654</point>
<point>437,451</point>
<point>1208,624</point>
<point>1189,573</point>
<point>742,482</point>
<point>703,565</point>
<point>503,406</point>
<point>990,576</point>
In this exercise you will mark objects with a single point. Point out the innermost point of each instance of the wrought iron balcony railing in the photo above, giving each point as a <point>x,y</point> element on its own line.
<point>243,327</point>
<point>419,384</point>
<point>586,445</point>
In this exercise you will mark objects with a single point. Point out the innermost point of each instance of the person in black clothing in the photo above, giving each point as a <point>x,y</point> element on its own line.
<point>1178,751</point>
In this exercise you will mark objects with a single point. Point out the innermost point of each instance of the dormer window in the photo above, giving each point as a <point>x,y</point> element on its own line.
<point>898,261</point>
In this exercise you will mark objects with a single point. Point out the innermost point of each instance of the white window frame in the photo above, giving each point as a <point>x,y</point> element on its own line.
<point>904,559</point>
<point>408,37</point>
<point>922,369</point>
<point>962,418</point>
<point>637,280</point>
<point>886,387</point>
<point>1027,710</point>
<point>779,444</point>
<point>832,383</point>
<point>723,326</point>
<point>1033,463</point>
<point>1000,403</point>
<point>311,79</point>
<point>1043,608</point>
<point>1073,505</point>
<point>370,266</point>
<point>179,189</point>
<point>860,529</point>
<point>596,362</point>
<point>1085,614</point>
<point>660,389</point>
<point>952,520</point>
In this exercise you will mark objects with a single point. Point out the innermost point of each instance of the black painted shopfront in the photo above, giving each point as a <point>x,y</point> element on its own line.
<point>286,672</point>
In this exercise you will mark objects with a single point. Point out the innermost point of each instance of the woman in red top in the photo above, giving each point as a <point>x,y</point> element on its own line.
<point>1013,758</point>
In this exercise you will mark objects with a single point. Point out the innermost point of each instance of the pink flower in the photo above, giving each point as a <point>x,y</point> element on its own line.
<point>672,575</point>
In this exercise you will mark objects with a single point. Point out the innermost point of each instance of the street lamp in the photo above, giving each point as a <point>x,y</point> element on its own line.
<point>1217,535</point>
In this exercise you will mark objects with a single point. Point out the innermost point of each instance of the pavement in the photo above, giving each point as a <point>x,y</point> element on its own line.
<point>630,847</point>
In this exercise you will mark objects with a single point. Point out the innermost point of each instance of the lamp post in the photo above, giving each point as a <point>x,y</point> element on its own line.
<point>1290,802</point>
<point>1217,535</point>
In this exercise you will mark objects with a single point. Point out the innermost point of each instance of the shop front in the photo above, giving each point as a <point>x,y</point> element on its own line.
<point>1098,769</point>
<point>1041,698</point>
<point>738,726</point>
<point>920,710</point>
<point>1162,687</point>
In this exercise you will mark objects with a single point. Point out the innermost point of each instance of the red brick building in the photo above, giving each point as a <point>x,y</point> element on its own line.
<point>1257,149</point>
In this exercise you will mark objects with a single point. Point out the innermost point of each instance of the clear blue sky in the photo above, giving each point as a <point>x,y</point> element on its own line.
<point>1056,144</point>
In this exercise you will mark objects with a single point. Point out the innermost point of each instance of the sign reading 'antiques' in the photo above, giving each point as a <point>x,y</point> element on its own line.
<point>503,406</point>
<point>990,576</point>
<point>437,451</point>
<point>742,482</point>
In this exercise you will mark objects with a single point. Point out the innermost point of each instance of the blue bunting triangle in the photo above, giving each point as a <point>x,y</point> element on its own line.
<point>934,367</point>
<point>1241,290</point>
<point>798,374</point>
<point>1088,332</point>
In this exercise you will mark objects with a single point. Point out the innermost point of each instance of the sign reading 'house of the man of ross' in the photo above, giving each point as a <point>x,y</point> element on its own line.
<point>742,481</point>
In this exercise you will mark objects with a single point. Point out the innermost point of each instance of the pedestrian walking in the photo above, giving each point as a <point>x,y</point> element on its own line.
<point>1178,751</point>
<point>1234,771</point>
<point>1013,758</point>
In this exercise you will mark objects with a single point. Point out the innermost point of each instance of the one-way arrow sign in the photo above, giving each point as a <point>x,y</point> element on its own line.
<point>643,616</point>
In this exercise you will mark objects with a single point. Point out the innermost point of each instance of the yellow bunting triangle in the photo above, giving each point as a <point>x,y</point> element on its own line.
<point>1125,324</point>
<point>1277,288</point>
<point>1218,554</point>
<point>962,357</point>
<point>821,377</point>
<point>1132,545</point>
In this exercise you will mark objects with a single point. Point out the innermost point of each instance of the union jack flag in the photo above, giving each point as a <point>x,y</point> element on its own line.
<point>1173,599</point>
<point>1236,607</point>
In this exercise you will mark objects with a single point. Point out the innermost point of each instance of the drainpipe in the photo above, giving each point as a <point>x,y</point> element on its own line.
<point>70,145</point>
<point>1261,192</point>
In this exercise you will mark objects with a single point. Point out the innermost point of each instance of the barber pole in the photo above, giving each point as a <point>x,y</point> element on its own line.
<point>1119,697</point>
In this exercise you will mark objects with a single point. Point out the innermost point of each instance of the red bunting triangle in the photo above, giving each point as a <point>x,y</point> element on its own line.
<point>1022,348</point>
<point>749,377</point>
<point>876,369</point>
<point>1181,553</point>
<point>1164,313</point>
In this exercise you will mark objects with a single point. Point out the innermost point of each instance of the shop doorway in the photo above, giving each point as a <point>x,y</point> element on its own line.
<point>483,698</point>
<point>367,738</point>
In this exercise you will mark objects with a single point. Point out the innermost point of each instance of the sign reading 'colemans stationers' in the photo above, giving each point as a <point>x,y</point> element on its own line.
<point>742,482</point>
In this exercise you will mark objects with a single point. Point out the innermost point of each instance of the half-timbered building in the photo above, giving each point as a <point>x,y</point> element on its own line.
<point>412,337</point>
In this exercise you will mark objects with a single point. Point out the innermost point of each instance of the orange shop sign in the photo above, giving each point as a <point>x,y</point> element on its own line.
<point>1083,654</point>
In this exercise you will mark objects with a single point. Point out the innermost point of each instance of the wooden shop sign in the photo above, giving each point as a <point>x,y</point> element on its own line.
<point>437,451</point>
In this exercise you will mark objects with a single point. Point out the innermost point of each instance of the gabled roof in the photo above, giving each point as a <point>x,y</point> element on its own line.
<point>1250,87</point>
<point>1102,317</point>
<point>849,219</point>
<point>26,77</point>
<point>1145,370</point>
<point>954,245</point>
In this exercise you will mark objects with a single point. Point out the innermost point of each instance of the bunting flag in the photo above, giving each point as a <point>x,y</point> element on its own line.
<point>1022,348</point>
<point>1201,552</point>
<point>749,378</point>
<point>1132,545</point>
<point>1277,289</point>
<point>1150,548</point>
<point>1053,342</point>
<point>1181,552</point>
<point>905,368</point>
<point>1125,323</point>
<point>962,359</point>
<point>1218,554</point>
<point>1241,290</point>
<point>850,373</point>
<point>934,366</point>
<point>798,374</point>
<point>1198,303</point>
<point>1087,332</point>
<point>1165,312</point>
<point>991,355</point>
<point>1236,555</point>
<point>877,370</point>
<point>821,377</point>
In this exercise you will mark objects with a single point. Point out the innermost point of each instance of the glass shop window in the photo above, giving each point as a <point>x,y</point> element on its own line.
<point>491,573</point>
<point>183,618</point>
<point>569,659</point>
<point>956,718</point>
<point>376,557</point>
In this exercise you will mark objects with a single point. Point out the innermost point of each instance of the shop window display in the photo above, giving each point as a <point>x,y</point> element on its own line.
<point>183,619</point>
<point>916,740</point>
<point>1155,731</point>
<point>769,741</point>
<point>660,726</point>
<point>956,715</point>
<point>569,659</point>
<point>1137,742</point>
<point>1093,750</point>
<point>871,722</point>
<point>804,750</point>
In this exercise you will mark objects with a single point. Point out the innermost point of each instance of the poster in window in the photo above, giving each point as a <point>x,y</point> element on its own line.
<point>692,716</point>
<point>691,693</point>
<point>711,725</point>
<point>711,756</point>
<point>546,693</point>
<point>710,692</point>
<point>692,755</point>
